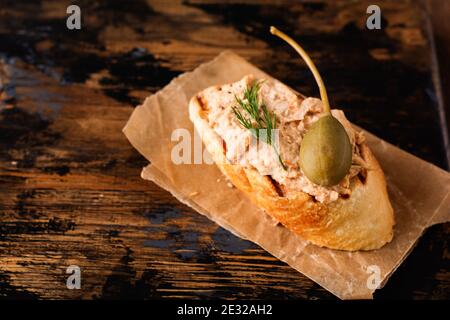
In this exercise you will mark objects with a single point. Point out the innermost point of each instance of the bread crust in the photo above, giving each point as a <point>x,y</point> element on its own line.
<point>363,221</point>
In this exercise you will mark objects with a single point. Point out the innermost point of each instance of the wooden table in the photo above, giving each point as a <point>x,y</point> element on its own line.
<point>70,187</point>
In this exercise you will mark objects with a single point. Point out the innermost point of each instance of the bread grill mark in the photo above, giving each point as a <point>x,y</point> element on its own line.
<point>202,103</point>
<point>362,176</point>
<point>277,187</point>
<point>224,147</point>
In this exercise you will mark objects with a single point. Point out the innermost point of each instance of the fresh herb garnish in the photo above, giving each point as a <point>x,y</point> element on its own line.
<point>251,118</point>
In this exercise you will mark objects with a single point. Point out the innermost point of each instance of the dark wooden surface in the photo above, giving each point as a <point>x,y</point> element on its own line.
<point>70,191</point>
<point>438,12</point>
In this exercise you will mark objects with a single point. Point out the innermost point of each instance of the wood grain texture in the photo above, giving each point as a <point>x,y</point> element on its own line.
<point>438,12</point>
<point>70,191</point>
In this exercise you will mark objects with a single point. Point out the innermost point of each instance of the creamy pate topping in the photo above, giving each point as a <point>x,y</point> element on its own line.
<point>294,116</point>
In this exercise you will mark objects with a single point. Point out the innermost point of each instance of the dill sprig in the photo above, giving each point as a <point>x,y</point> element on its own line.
<point>251,118</point>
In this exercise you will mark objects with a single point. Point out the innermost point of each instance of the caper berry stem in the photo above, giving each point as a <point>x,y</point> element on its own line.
<point>309,63</point>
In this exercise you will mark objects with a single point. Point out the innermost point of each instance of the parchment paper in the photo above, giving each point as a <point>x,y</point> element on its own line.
<point>419,191</point>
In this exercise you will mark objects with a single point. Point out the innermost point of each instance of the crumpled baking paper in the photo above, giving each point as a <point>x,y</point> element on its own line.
<point>419,191</point>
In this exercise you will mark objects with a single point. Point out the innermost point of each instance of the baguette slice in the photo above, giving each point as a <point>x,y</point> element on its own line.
<point>364,221</point>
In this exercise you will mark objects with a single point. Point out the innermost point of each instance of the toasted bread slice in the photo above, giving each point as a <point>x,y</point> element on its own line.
<point>363,221</point>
